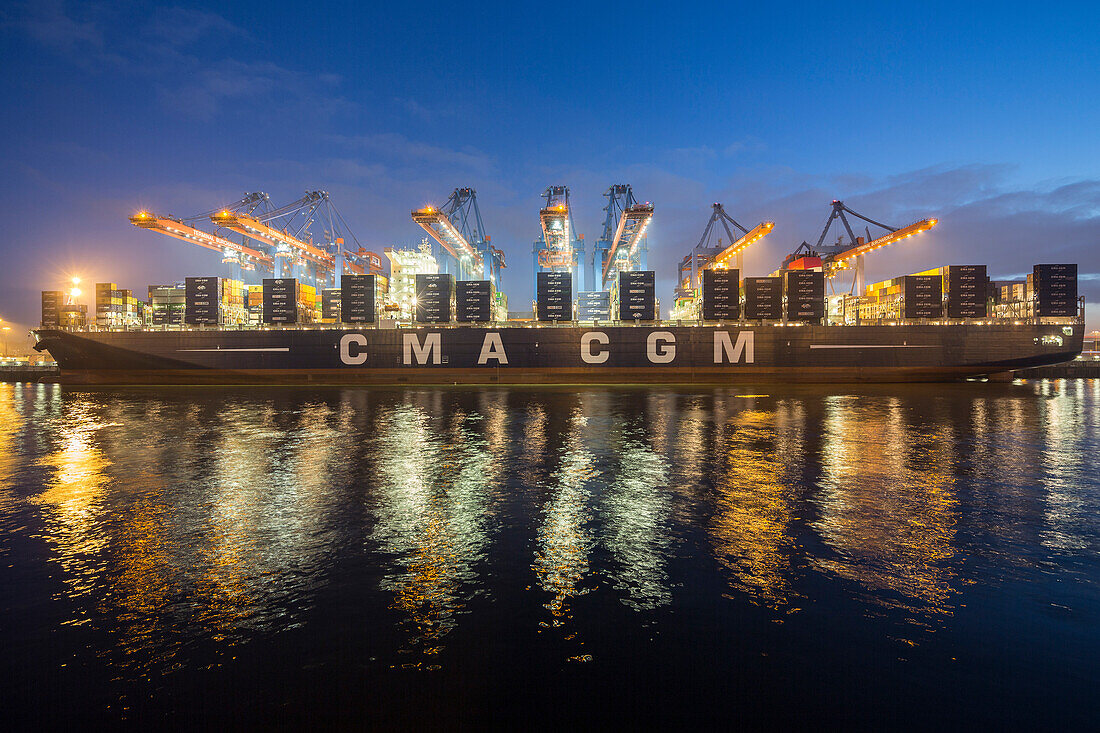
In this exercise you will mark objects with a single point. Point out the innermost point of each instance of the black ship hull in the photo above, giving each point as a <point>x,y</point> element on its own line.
<point>559,354</point>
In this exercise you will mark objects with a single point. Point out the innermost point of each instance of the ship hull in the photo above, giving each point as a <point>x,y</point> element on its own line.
<point>560,355</point>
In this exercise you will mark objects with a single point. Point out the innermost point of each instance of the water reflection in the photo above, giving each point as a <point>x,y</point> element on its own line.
<point>432,508</point>
<point>180,520</point>
<point>76,484</point>
<point>638,504</point>
<point>563,538</point>
<point>887,505</point>
<point>753,510</point>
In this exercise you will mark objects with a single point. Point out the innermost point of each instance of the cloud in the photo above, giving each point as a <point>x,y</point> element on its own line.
<point>748,144</point>
<point>211,86</point>
<point>160,54</point>
<point>47,23</point>
<point>183,26</point>
<point>411,153</point>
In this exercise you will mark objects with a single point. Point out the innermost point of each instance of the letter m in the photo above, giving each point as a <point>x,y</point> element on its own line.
<point>726,350</point>
<point>431,347</point>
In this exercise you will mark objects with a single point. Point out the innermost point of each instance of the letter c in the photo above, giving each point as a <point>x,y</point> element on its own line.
<point>360,357</point>
<point>588,354</point>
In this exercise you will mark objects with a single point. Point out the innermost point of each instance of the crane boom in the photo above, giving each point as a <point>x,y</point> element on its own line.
<point>188,233</point>
<point>633,222</point>
<point>440,228</point>
<point>250,226</point>
<point>557,236</point>
<point>758,232</point>
<point>887,239</point>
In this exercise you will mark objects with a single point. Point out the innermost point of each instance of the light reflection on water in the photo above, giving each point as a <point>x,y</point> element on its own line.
<point>179,517</point>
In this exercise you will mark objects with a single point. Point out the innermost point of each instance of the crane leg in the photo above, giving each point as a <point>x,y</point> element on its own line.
<point>859,275</point>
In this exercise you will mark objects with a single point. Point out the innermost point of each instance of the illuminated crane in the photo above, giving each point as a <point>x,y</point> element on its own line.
<point>281,233</point>
<point>290,237</point>
<point>558,248</point>
<point>841,256</point>
<point>704,256</point>
<point>241,256</point>
<point>458,229</point>
<point>623,246</point>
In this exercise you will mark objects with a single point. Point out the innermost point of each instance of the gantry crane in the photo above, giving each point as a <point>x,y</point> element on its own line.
<point>841,256</point>
<point>279,233</point>
<point>623,246</point>
<point>559,249</point>
<point>287,230</point>
<point>704,256</point>
<point>457,227</point>
<point>240,255</point>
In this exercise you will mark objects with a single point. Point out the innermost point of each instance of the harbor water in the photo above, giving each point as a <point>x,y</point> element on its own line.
<point>902,556</point>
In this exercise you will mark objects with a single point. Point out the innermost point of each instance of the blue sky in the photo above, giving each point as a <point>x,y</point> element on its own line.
<point>984,115</point>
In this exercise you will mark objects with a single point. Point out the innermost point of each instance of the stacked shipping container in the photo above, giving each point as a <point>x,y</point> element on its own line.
<point>435,298</point>
<point>721,295</point>
<point>1055,290</point>
<point>594,305</point>
<point>358,298</point>
<point>637,296</point>
<point>764,298</point>
<point>805,295</point>
<point>554,296</point>
<point>474,301</point>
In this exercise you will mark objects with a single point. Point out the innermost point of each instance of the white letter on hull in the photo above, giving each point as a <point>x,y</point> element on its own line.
<point>492,348</point>
<point>431,347</point>
<point>360,357</point>
<point>588,355</point>
<point>724,347</point>
<point>659,339</point>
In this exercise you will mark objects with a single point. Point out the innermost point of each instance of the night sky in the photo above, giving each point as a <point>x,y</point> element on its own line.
<point>984,115</point>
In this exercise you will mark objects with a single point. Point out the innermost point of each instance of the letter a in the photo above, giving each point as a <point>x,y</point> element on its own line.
<point>492,348</point>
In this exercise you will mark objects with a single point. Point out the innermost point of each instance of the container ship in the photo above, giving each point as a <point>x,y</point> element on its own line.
<point>416,324</point>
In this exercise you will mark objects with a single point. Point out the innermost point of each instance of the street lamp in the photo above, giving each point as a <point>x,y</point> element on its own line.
<point>5,330</point>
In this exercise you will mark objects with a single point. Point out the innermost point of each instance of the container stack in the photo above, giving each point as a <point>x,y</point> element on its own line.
<point>307,303</point>
<point>922,296</point>
<point>358,298</point>
<point>554,296</point>
<point>52,302</point>
<point>254,307</point>
<point>435,298</point>
<point>1055,290</point>
<point>637,296</point>
<point>108,305</point>
<point>233,312</point>
<point>721,295</point>
<point>805,296</point>
<point>594,305</point>
<point>168,303</point>
<point>330,305</point>
<point>764,298</point>
<point>73,315</point>
<point>967,290</point>
<point>473,301</point>
<point>133,310</point>
<point>281,297</point>
<point>203,305</point>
